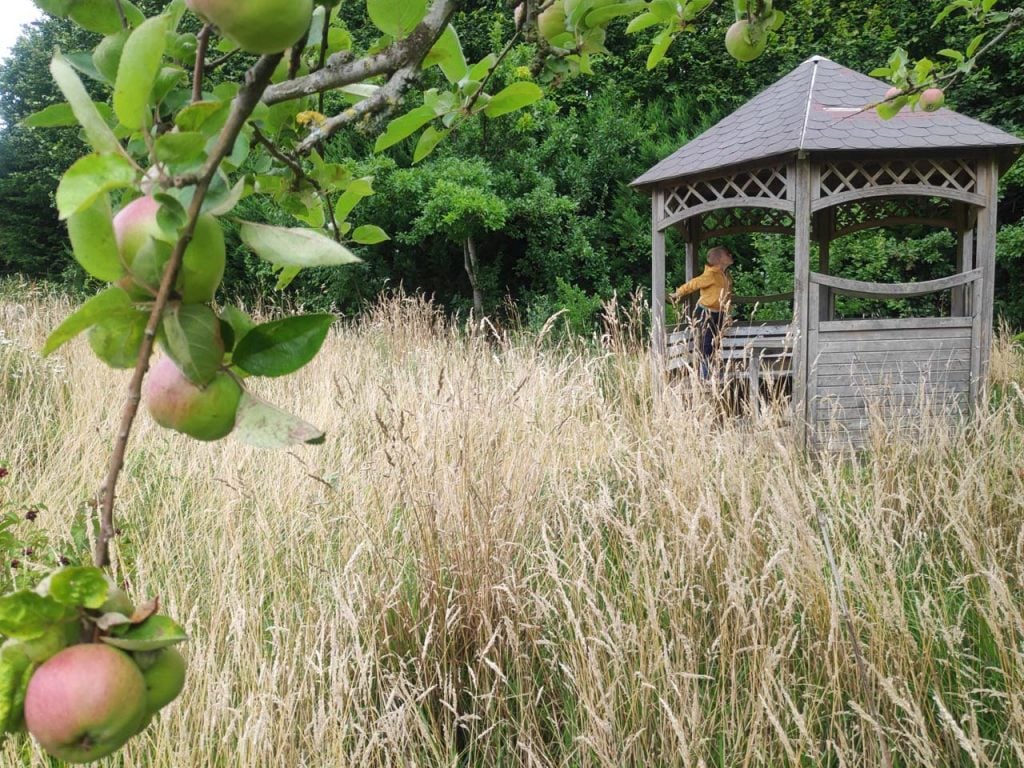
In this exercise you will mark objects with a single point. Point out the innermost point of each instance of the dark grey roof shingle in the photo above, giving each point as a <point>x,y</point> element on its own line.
<point>818,107</point>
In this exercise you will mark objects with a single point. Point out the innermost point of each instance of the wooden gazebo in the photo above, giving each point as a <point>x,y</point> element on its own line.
<point>806,158</point>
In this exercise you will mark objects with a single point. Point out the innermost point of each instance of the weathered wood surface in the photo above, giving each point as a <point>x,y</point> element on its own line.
<point>868,290</point>
<point>901,324</point>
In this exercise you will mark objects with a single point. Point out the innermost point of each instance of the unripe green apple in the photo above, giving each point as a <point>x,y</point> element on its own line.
<point>932,99</point>
<point>85,702</point>
<point>257,26</point>
<point>551,23</point>
<point>744,42</point>
<point>145,257</point>
<point>164,677</point>
<point>205,413</point>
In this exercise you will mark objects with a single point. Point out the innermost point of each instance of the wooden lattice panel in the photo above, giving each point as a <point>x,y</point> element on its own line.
<point>735,220</point>
<point>743,188</point>
<point>849,176</point>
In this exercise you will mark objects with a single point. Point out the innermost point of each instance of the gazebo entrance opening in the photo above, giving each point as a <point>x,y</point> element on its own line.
<point>806,159</point>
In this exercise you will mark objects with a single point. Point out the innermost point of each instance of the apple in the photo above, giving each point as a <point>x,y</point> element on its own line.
<point>893,93</point>
<point>744,42</point>
<point>145,256</point>
<point>205,413</point>
<point>257,26</point>
<point>932,99</point>
<point>551,23</point>
<point>164,676</point>
<point>85,702</point>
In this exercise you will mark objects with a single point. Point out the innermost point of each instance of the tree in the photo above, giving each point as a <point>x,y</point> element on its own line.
<point>174,153</point>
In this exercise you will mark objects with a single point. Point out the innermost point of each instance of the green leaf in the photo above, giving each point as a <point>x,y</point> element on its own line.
<point>397,19</point>
<point>99,134</point>
<point>295,247</point>
<point>515,96</point>
<point>403,127</point>
<point>107,55</point>
<point>191,336</point>
<point>113,301</point>
<point>12,669</point>
<point>92,238</point>
<point>880,72</point>
<point>972,47</point>
<point>79,587</point>
<point>282,346</point>
<point>263,425</point>
<point>180,148</point>
<point>642,22</point>
<point>887,110</point>
<point>54,7</point>
<point>662,41</point>
<point>25,615</point>
<point>370,234</point>
<point>600,16</point>
<point>101,16</point>
<point>53,116</point>
<point>227,203</point>
<point>239,321</point>
<point>428,142</point>
<point>447,54</point>
<point>90,177</point>
<point>154,633</point>
<point>950,53</point>
<point>117,340</point>
<point>137,72</point>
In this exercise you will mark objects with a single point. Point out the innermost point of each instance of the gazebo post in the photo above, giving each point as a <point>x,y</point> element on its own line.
<point>826,231</point>
<point>985,259</point>
<point>692,245</point>
<point>959,304</point>
<point>800,190</point>
<point>658,341</point>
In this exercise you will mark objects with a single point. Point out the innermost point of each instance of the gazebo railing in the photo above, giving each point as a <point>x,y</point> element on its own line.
<point>855,365</point>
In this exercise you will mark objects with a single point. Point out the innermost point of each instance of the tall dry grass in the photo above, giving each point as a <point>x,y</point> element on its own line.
<point>507,555</point>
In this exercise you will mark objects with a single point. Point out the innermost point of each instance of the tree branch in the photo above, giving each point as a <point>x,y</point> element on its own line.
<point>245,102</point>
<point>202,44</point>
<point>385,98</point>
<point>340,71</point>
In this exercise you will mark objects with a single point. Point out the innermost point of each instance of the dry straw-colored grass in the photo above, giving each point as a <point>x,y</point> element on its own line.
<point>506,555</point>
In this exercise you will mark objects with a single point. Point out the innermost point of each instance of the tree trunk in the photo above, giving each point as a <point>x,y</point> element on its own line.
<point>472,270</point>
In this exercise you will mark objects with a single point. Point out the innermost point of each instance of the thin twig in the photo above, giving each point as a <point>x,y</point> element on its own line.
<point>257,79</point>
<point>300,175</point>
<point>324,42</point>
<point>862,672</point>
<point>202,45</point>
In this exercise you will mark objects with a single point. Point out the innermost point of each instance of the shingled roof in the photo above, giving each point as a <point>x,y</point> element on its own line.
<point>818,107</point>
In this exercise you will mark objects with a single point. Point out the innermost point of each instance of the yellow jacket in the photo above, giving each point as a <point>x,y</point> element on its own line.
<point>715,288</point>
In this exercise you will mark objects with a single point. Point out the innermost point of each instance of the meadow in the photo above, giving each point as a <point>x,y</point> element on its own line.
<point>508,554</point>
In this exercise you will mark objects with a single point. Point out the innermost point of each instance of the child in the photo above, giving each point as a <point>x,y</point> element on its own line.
<point>715,288</point>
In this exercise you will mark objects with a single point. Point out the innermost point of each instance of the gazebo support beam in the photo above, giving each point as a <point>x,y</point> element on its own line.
<point>826,233</point>
<point>659,349</point>
<point>985,258</point>
<point>800,185</point>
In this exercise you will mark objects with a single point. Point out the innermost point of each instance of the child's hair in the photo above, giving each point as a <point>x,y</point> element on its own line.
<point>715,254</point>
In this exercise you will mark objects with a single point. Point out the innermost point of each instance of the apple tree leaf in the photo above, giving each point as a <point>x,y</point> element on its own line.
<point>92,239</point>
<point>154,633</point>
<point>90,177</point>
<point>79,587</point>
<point>99,134</point>
<point>138,70</point>
<point>515,96</point>
<point>282,346</point>
<point>396,19</point>
<point>263,425</point>
<point>113,302</point>
<point>191,337</point>
<point>25,615</point>
<point>294,247</point>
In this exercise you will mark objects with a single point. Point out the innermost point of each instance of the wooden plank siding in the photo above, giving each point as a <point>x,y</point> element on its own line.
<point>887,371</point>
